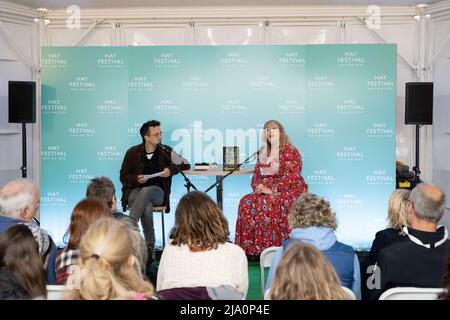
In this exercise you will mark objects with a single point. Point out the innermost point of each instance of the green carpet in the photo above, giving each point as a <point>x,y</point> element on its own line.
<point>254,281</point>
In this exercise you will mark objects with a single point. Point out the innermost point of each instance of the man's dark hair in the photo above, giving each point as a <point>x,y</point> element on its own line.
<point>144,128</point>
<point>103,188</point>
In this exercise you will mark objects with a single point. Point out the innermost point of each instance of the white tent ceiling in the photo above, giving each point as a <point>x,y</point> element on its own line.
<point>55,4</point>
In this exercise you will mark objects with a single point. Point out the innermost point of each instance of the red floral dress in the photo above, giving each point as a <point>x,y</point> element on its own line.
<point>262,218</point>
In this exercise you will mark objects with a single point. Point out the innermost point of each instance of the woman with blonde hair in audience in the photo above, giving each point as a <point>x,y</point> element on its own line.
<point>107,269</point>
<point>397,219</point>
<point>199,253</point>
<point>22,274</point>
<point>83,215</point>
<point>304,273</point>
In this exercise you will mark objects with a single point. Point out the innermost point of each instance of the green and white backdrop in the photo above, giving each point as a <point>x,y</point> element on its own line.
<point>337,103</point>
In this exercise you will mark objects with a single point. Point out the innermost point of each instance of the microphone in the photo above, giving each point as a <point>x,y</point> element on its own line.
<point>174,158</point>
<point>175,164</point>
<point>257,152</point>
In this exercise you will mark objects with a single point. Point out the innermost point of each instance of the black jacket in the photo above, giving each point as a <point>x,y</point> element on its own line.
<point>383,239</point>
<point>10,287</point>
<point>407,264</point>
<point>133,165</point>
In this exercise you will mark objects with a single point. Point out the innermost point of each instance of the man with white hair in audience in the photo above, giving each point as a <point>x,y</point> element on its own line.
<point>19,203</point>
<point>419,260</point>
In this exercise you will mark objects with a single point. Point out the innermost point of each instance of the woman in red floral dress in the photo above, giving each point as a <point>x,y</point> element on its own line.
<point>262,215</point>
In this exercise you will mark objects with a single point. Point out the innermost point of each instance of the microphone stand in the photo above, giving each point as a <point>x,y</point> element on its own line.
<point>416,168</point>
<point>188,183</point>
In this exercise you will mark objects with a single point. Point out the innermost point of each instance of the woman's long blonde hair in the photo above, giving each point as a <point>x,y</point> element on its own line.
<point>106,271</point>
<point>398,209</point>
<point>284,138</point>
<point>304,273</point>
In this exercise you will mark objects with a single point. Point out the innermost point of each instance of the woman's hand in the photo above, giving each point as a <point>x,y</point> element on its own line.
<point>261,189</point>
<point>258,188</point>
<point>266,190</point>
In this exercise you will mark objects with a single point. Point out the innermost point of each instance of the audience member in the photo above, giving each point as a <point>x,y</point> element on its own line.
<point>397,215</point>
<point>22,274</point>
<point>85,213</point>
<point>19,204</point>
<point>107,269</point>
<point>419,261</point>
<point>313,221</point>
<point>304,273</point>
<point>199,253</point>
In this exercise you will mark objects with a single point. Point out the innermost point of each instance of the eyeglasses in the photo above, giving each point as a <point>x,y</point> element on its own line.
<point>159,134</point>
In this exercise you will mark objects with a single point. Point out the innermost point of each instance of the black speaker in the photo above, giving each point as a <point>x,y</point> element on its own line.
<point>419,103</point>
<point>22,101</point>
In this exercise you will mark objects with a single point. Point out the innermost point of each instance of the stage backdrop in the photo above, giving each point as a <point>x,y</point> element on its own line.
<point>337,103</point>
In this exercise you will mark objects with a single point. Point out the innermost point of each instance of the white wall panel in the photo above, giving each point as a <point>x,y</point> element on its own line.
<point>441,30</point>
<point>303,34</point>
<point>441,109</point>
<point>154,36</point>
<point>67,37</point>
<point>12,68</point>
<point>229,34</point>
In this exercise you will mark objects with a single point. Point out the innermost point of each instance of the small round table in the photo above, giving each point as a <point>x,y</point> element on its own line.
<point>219,173</point>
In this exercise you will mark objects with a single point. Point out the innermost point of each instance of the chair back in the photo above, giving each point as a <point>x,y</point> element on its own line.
<point>411,293</point>
<point>265,261</point>
<point>55,292</point>
<point>349,292</point>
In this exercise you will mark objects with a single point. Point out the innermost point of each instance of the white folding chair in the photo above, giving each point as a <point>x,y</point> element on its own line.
<point>267,295</point>
<point>265,260</point>
<point>349,292</point>
<point>411,293</point>
<point>55,292</point>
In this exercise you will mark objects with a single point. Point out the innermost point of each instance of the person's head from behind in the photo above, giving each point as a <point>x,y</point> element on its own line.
<point>85,212</point>
<point>275,136</point>
<point>398,209</point>
<point>108,268</point>
<point>103,188</point>
<point>19,199</point>
<point>199,222</point>
<point>304,273</point>
<point>151,132</point>
<point>139,245</point>
<point>427,204</point>
<point>19,254</point>
<point>311,210</point>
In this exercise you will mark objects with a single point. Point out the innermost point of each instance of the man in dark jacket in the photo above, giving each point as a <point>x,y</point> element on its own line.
<point>141,193</point>
<point>418,261</point>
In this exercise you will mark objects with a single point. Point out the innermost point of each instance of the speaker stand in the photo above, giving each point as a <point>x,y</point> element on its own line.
<point>24,150</point>
<point>416,168</point>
